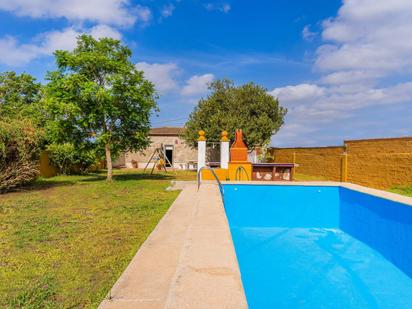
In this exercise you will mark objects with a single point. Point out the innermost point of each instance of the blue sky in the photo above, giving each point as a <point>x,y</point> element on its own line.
<point>342,68</point>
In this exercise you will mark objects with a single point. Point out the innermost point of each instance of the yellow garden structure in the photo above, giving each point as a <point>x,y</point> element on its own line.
<point>235,165</point>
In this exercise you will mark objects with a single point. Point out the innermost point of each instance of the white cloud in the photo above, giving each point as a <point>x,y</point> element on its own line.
<point>54,40</point>
<point>226,8</point>
<point>307,34</point>
<point>143,14</point>
<point>336,115</point>
<point>113,12</point>
<point>368,44</point>
<point>297,93</point>
<point>197,84</point>
<point>162,75</point>
<point>349,77</point>
<point>12,53</point>
<point>371,35</point>
<point>313,118</point>
<point>102,31</point>
<point>167,10</point>
<point>221,7</point>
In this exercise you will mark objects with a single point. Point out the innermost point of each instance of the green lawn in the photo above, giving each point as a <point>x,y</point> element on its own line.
<point>404,190</point>
<point>64,241</point>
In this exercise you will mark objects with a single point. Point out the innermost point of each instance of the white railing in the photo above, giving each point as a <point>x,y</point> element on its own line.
<point>239,173</point>
<point>199,176</point>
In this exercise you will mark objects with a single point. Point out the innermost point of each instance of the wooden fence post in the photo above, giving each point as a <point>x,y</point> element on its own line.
<point>294,163</point>
<point>344,167</point>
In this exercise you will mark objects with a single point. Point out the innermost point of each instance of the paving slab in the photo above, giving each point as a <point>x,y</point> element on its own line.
<point>188,261</point>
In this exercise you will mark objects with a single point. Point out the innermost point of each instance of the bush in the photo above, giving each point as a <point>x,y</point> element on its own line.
<point>19,152</point>
<point>69,160</point>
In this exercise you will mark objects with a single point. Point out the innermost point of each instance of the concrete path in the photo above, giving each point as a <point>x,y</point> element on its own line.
<point>187,262</point>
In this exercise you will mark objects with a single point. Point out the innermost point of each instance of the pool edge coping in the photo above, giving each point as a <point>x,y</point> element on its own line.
<point>348,185</point>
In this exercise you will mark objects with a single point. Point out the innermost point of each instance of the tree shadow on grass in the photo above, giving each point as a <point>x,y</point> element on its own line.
<point>130,176</point>
<point>95,177</point>
<point>39,184</point>
<point>142,176</point>
<point>69,180</point>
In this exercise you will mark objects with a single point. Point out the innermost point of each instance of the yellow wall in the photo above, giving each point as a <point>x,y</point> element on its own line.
<point>230,173</point>
<point>244,174</point>
<point>378,163</point>
<point>46,170</point>
<point>221,173</point>
<point>315,161</point>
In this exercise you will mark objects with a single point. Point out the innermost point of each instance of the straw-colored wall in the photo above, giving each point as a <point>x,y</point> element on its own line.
<point>46,170</point>
<point>314,161</point>
<point>377,163</point>
<point>380,163</point>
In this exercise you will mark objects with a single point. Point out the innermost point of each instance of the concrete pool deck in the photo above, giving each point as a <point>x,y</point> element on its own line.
<point>189,260</point>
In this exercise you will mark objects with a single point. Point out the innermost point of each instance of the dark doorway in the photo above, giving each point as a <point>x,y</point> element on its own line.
<point>169,155</point>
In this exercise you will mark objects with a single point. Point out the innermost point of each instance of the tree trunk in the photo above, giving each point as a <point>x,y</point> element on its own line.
<point>109,163</point>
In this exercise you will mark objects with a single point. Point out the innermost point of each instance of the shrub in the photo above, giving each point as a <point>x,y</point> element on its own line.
<point>19,151</point>
<point>70,160</point>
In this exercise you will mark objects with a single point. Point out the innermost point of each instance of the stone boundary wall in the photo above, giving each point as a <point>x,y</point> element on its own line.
<point>378,163</point>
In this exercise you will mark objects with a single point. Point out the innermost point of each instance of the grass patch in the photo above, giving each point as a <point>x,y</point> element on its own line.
<point>64,241</point>
<point>403,190</point>
<point>40,295</point>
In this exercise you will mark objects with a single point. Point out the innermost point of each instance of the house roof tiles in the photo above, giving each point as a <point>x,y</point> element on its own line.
<point>166,131</point>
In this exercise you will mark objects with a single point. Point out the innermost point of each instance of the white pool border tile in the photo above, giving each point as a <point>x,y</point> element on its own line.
<point>375,192</point>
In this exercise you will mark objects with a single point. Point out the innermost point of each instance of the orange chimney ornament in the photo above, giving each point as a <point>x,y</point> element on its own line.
<point>238,151</point>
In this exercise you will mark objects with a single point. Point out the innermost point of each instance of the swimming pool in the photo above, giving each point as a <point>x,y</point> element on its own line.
<point>320,247</point>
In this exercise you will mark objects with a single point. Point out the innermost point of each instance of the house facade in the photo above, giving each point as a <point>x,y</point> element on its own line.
<point>168,140</point>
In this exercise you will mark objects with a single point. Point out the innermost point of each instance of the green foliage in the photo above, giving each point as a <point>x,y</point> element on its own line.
<point>248,107</point>
<point>18,94</point>
<point>98,100</point>
<point>19,150</point>
<point>69,160</point>
<point>20,138</point>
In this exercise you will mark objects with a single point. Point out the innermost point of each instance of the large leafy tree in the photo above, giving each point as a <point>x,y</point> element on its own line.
<point>248,107</point>
<point>18,95</point>
<point>98,100</point>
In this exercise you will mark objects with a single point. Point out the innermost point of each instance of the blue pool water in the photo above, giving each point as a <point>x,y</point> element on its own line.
<point>320,247</point>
